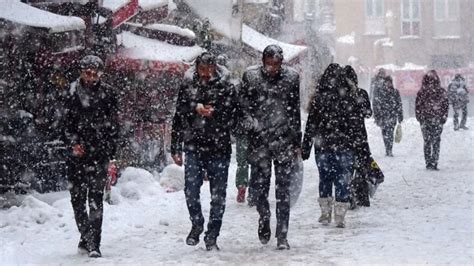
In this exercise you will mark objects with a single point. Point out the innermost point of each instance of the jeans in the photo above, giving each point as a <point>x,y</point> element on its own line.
<point>457,111</point>
<point>216,167</point>
<point>242,175</point>
<point>261,172</point>
<point>87,182</point>
<point>387,133</point>
<point>432,140</point>
<point>335,169</point>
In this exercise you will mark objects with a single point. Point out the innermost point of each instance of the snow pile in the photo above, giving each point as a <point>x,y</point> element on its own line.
<point>138,47</point>
<point>151,4</point>
<point>172,178</point>
<point>259,41</point>
<point>172,29</point>
<point>135,184</point>
<point>348,39</point>
<point>20,13</point>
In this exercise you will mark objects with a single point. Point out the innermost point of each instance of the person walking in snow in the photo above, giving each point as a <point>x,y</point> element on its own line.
<point>388,111</point>
<point>271,107</point>
<point>91,132</point>
<point>333,126</point>
<point>377,84</point>
<point>458,96</point>
<point>206,113</point>
<point>358,185</point>
<point>431,109</point>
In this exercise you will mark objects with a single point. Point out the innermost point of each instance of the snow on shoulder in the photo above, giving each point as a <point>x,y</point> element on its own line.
<point>20,13</point>
<point>138,47</point>
<point>259,41</point>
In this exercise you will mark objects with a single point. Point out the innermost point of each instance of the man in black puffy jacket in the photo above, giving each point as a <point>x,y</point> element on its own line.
<point>271,106</point>
<point>206,112</point>
<point>91,132</point>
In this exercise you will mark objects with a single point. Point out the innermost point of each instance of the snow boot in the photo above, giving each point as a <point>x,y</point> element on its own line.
<point>282,243</point>
<point>264,231</point>
<point>95,253</point>
<point>340,209</point>
<point>326,210</point>
<point>211,244</point>
<point>82,247</point>
<point>241,194</point>
<point>193,237</point>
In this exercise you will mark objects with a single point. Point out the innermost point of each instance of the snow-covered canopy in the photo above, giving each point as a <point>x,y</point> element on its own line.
<point>151,4</point>
<point>114,5</point>
<point>20,13</point>
<point>406,66</point>
<point>138,47</point>
<point>172,29</point>
<point>219,13</point>
<point>259,41</point>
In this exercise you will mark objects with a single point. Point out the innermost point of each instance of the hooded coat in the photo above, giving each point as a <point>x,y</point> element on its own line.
<point>431,105</point>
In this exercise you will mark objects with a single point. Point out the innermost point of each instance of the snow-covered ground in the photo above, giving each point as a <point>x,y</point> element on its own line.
<point>417,217</point>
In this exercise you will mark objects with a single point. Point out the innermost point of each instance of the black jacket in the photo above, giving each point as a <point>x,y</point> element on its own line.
<point>203,134</point>
<point>387,107</point>
<point>271,109</point>
<point>92,120</point>
<point>335,119</point>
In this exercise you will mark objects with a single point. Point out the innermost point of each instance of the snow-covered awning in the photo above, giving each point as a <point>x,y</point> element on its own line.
<point>259,41</point>
<point>141,53</point>
<point>20,13</point>
<point>151,4</point>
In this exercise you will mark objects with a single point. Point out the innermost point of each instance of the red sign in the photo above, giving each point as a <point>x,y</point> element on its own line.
<point>125,13</point>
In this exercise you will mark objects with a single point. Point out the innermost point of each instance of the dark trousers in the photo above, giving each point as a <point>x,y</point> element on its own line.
<point>87,182</point>
<point>432,139</point>
<point>260,178</point>
<point>335,169</point>
<point>457,111</point>
<point>242,175</point>
<point>359,186</point>
<point>216,167</point>
<point>387,134</point>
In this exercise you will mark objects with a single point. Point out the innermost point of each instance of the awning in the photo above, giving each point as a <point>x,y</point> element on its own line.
<point>23,14</point>
<point>141,53</point>
<point>258,41</point>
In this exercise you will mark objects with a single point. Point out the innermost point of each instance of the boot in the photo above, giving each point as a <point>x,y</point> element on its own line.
<point>241,194</point>
<point>326,210</point>
<point>340,209</point>
<point>193,237</point>
<point>264,231</point>
<point>282,243</point>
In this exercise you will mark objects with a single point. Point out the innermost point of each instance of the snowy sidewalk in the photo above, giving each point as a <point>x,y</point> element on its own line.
<point>418,216</point>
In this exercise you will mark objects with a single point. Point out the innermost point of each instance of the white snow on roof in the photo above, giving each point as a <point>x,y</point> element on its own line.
<point>20,13</point>
<point>251,1</point>
<point>259,41</point>
<point>151,4</point>
<point>138,47</point>
<point>406,66</point>
<point>384,42</point>
<point>173,29</point>
<point>114,5</point>
<point>349,39</point>
<point>219,13</point>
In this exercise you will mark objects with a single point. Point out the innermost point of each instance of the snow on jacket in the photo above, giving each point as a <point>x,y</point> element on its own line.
<point>92,120</point>
<point>431,105</point>
<point>271,108</point>
<point>199,133</point>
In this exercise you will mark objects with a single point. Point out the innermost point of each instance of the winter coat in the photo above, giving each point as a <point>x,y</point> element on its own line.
<point>92,120</point>
<point>199,133</point>
<point>335,118</point>
<point>431,105</point>
<point>458,94</point>
<point>387,106</point>
<point>271,109</point>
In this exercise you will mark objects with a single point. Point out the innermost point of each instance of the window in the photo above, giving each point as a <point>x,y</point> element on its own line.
<point>447,20</point>
<point>374,17</point>
<point>374,8</point>
<point>411,18</point>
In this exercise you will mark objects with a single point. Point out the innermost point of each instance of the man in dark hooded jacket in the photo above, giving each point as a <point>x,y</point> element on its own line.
<point>206,113</point>
<point>431,111</point>
<point>271,106</point>
<point>91,132</point>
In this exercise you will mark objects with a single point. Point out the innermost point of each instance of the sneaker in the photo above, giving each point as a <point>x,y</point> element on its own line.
<point>264,231</point>
<point>193,237</point>
<point>241,194</point>
<point>82,247</point>
<point>95,253</point>
<point>211,245</point>
<point>282,243</point>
